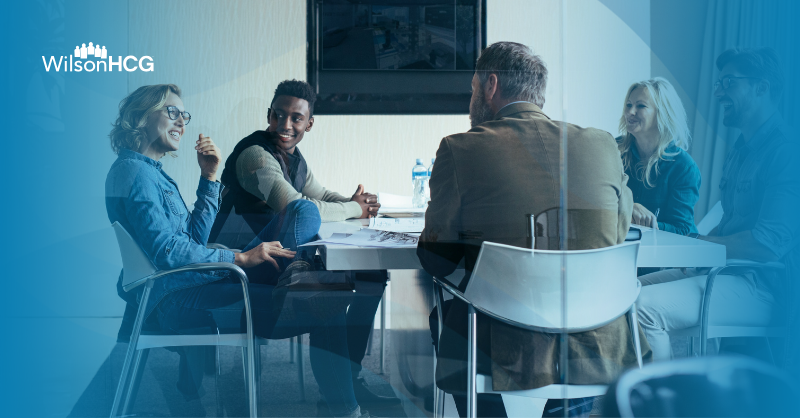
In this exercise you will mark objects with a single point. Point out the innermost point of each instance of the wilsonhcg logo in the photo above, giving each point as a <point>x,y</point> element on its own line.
<point>90,54</point>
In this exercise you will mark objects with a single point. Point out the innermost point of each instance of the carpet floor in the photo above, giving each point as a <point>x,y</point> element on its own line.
<point>225,394</point>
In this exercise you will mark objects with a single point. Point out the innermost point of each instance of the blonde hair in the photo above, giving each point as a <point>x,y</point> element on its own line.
<point>129,129</point>
<point>671,122</point>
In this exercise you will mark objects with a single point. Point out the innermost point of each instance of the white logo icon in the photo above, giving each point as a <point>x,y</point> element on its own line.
<point>92,51</point>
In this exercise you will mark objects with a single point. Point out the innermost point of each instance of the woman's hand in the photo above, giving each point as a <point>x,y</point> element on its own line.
<point>368,202</point>
<point>642,216</point>
<point>266,251</point>
<point>208,157</point>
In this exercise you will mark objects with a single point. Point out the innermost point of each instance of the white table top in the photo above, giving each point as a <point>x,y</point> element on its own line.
<point>657,249</point>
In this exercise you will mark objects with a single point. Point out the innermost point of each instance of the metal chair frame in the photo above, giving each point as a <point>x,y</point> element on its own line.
<point>474,381</point>
<point>704,331</point>
<point>138,343</point>
<point>295,343</point>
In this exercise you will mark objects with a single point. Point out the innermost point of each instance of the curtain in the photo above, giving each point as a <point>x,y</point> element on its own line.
<point>743,24</point>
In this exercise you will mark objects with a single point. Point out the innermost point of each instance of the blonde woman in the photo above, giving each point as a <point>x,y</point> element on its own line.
<point>663,177</point>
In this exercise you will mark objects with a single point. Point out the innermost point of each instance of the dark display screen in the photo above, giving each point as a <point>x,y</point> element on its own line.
<point>383,35</point>
<point>394,56</point>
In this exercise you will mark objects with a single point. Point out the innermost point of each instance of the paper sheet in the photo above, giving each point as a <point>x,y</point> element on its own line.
<point>394,200</point>
<point>371,238</point>
<point>416,224</point>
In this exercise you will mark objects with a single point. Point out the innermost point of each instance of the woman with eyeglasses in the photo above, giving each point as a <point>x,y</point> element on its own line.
<point>146,202</point>
<point>663,177</point>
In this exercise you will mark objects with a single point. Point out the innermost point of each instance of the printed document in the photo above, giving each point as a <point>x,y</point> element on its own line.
<point>371,238</point>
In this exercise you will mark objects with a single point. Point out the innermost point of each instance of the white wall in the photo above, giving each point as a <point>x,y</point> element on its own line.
<point>229,56</point>
<point>601,57</point>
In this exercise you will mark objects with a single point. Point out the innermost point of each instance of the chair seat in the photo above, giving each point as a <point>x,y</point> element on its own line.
<point>722,331</point>
<point>160,340</point>
<point>484,384</point>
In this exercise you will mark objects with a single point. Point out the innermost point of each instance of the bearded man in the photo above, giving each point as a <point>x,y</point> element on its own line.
<point>483,185</point>
<point>760,188</point>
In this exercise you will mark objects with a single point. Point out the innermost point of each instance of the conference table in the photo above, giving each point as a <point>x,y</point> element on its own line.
<point>410,359</point>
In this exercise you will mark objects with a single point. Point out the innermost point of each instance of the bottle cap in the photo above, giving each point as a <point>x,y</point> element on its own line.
<point>432,160</point>
<point>419,160</point>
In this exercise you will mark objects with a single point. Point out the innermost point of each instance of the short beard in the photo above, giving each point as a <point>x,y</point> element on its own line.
<point>479,110</point>
<point>732,120</point>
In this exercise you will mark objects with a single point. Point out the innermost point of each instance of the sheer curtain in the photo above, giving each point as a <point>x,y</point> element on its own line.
<point>744,24</point>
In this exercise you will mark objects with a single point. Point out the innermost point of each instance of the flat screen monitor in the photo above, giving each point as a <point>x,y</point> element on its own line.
<point>394,56</point>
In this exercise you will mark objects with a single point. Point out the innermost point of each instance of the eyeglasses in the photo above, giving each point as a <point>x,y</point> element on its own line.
<point>726,82</point>
<point>173,114</point>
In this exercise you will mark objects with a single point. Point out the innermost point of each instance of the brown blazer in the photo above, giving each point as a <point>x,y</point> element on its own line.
<point>484,183</point>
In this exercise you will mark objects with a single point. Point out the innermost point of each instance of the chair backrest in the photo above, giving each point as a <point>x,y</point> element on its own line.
<point>711,220</point>
<point>135,264</point>
<point>723,386</point>
<point>547,231</point>
<point>525,286</point>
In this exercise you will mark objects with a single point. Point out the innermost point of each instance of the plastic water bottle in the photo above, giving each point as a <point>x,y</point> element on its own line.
<point>419,178</point>
<point>428,189</point>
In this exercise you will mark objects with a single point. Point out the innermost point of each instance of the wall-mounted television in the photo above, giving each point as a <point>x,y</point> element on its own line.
<point>394,56</point>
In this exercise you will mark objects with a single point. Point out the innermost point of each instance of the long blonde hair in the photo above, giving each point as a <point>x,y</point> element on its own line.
<point>671,122</point>
<point>129,129</point>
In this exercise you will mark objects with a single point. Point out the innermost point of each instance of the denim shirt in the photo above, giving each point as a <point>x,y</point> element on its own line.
<point>761,191</point>
<point>147,203</point>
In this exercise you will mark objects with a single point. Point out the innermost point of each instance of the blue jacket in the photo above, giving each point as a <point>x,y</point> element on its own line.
<point>147,203</point>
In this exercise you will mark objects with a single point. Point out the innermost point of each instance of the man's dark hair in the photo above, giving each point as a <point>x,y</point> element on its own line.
<point>756,62</point>
<point>521,74</point>
<point>299,89</point>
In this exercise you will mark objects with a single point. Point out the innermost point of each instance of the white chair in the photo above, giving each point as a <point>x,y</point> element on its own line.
<point>705,331</point>
<point>545,291</point>
<point>137,271</point>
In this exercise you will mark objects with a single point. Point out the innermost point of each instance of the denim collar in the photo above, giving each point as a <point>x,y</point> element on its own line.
<point>762,134</point>
<point>126,154</point>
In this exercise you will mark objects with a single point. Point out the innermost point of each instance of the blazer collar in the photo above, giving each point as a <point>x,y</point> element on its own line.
<point>515,108</point>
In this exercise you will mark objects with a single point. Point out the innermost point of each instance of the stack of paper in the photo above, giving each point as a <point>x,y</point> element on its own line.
<point>397,206</point>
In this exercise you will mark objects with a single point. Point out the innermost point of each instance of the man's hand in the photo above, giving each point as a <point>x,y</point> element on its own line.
<point>266,251</point>
<point>208,157</point>
<point>368,202</point>
<point>642,216</point>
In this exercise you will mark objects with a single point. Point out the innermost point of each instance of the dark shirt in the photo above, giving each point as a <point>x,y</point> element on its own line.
<point>761,190</point>
<point>675,191</point>
<point>293,164</point>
